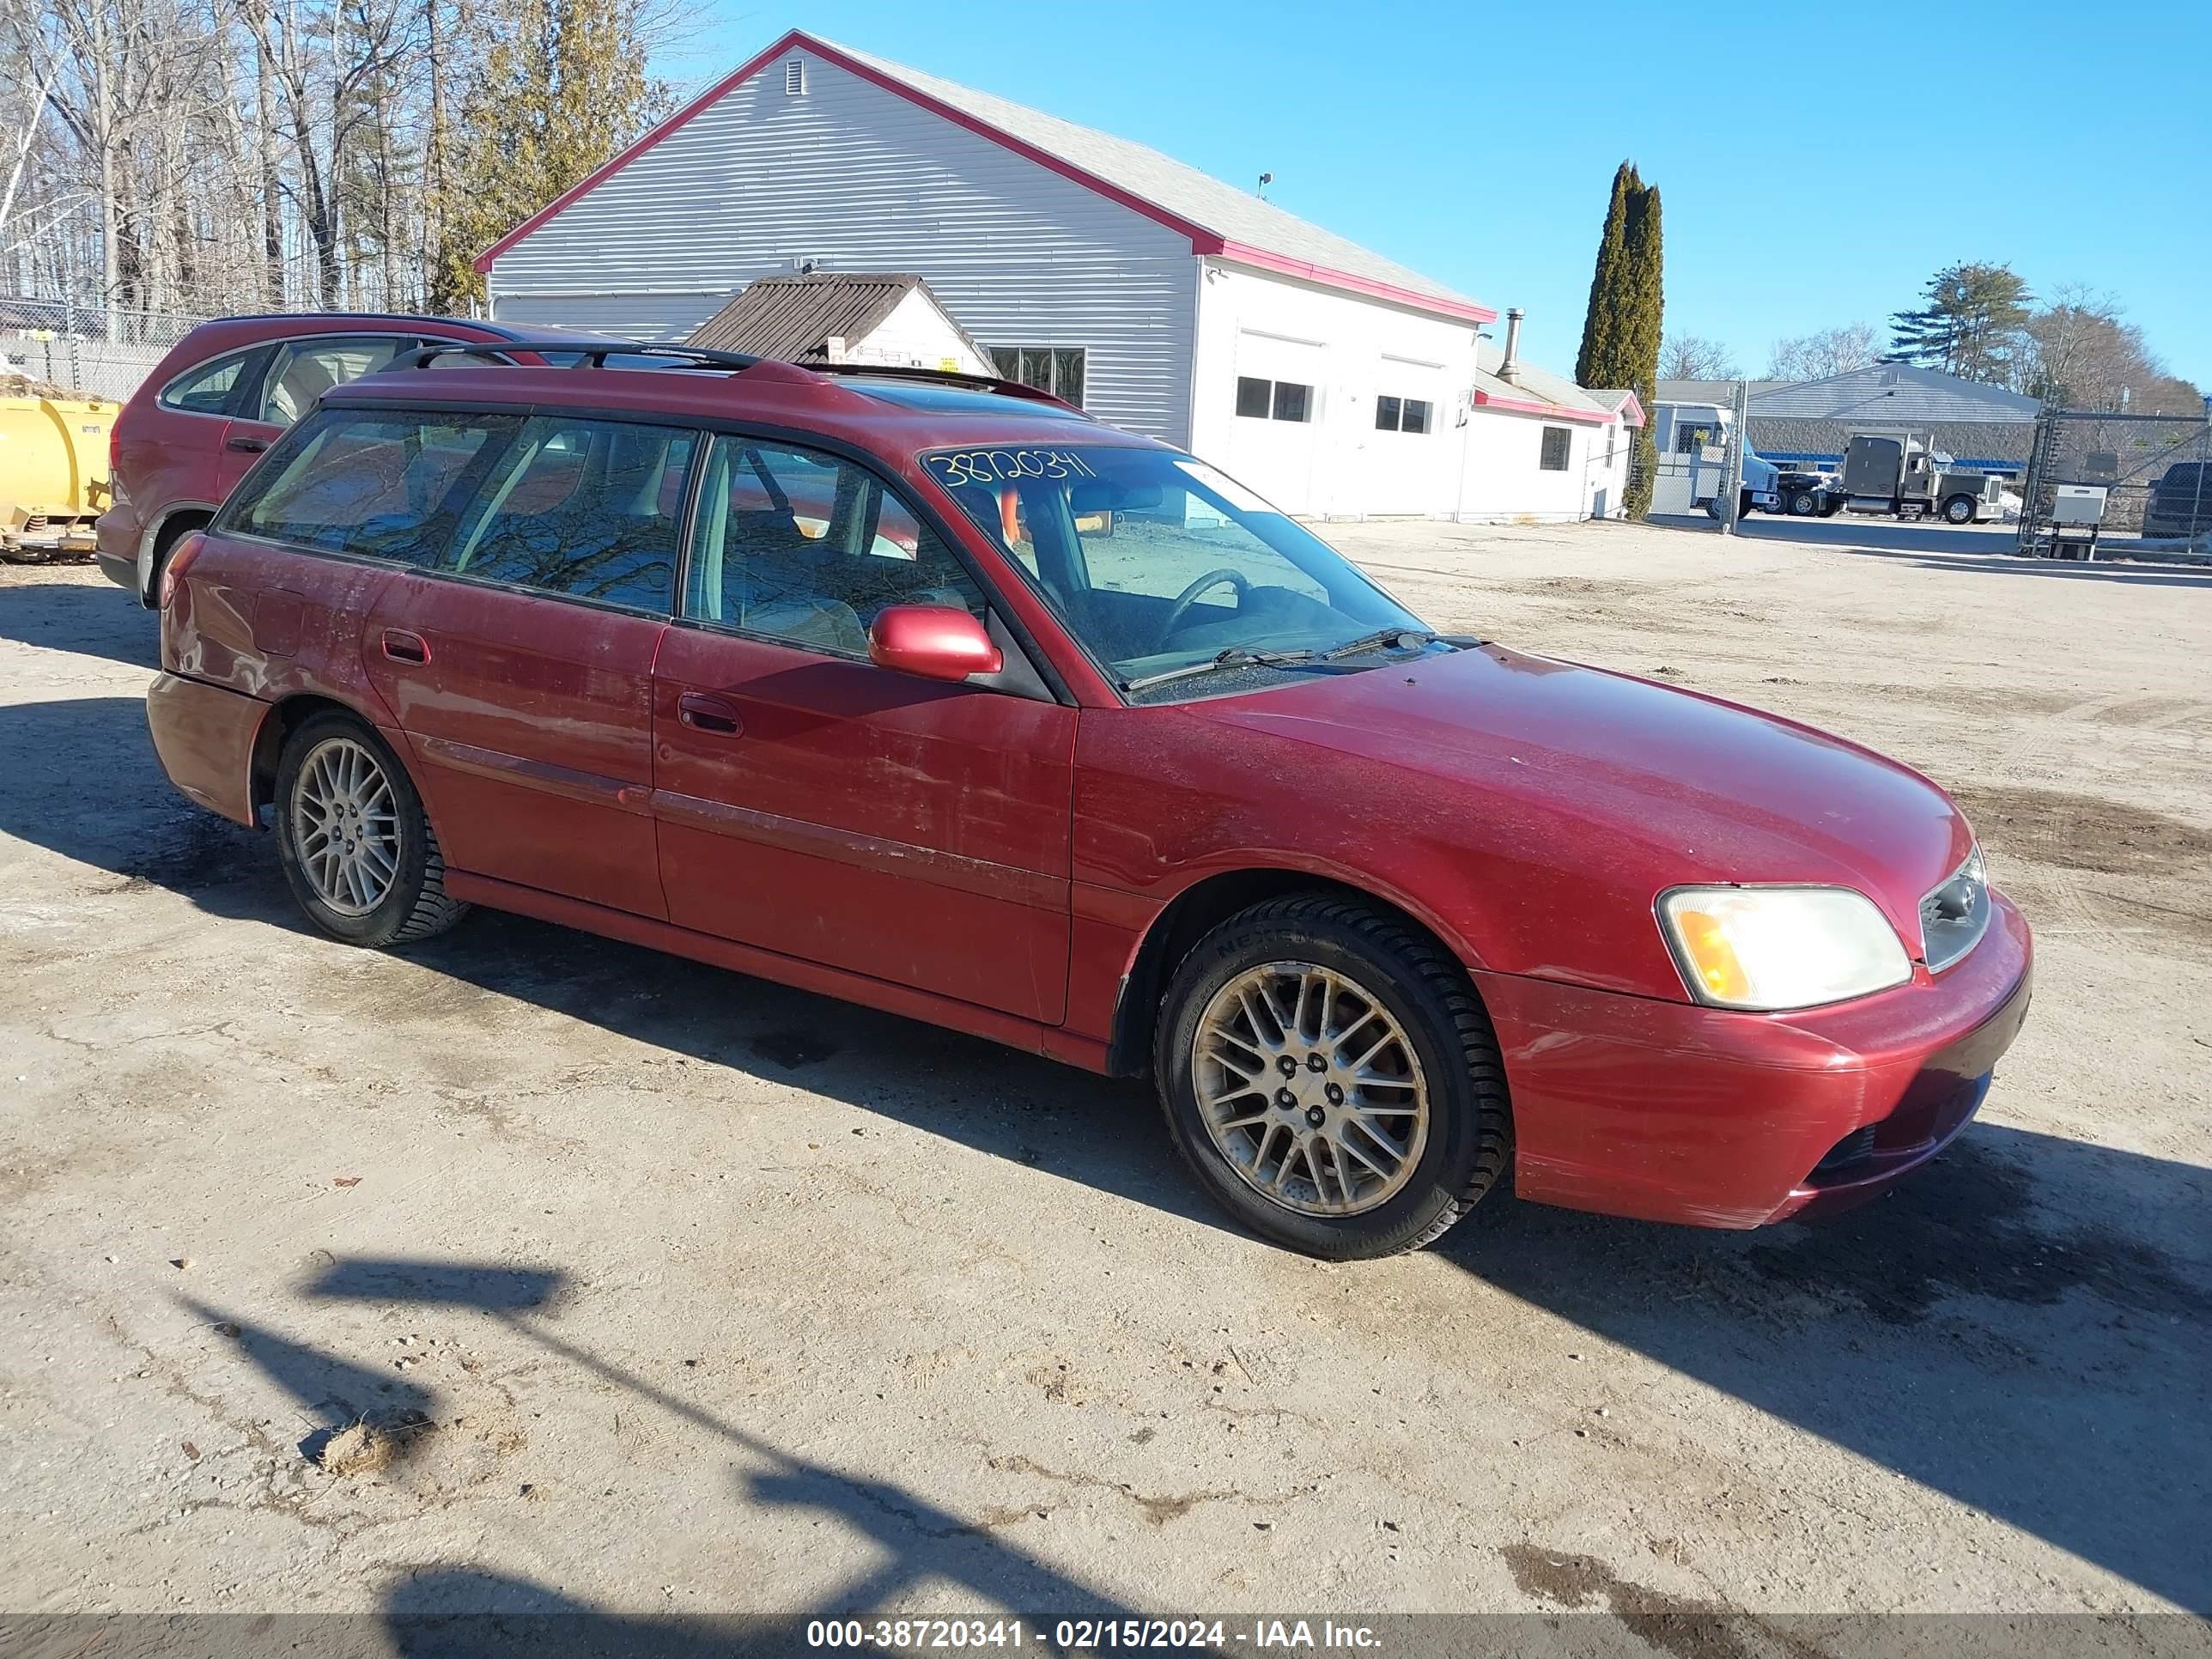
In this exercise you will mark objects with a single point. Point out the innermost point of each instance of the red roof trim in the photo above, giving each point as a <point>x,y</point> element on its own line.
<point>1465,310</point>
<point>1549,411</point>
<point>1202,240</point>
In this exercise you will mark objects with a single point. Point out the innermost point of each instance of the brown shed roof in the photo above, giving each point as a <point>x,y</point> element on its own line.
<point>790,318</point>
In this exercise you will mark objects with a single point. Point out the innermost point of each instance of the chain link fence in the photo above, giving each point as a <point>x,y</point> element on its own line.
<point>2121,485</point>
<point>87,350</point>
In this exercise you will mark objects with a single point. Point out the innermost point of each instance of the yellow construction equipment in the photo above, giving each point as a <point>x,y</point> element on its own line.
<point>53,475</point>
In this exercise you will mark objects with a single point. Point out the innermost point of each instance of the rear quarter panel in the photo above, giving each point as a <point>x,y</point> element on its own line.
<point>273,623</point>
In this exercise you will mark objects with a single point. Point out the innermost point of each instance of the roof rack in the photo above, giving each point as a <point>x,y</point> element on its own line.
<point>596,353</point>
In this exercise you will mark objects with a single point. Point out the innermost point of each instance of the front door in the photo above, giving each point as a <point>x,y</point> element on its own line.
<point>520,666</point>
<point>814,805</point>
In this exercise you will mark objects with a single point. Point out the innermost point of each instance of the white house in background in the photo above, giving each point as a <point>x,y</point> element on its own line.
<point>1326,377</point>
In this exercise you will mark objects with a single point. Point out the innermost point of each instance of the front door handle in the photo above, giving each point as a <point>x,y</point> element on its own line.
<point>716,716</point>
<point>249,446</point>
<point>401,646</point>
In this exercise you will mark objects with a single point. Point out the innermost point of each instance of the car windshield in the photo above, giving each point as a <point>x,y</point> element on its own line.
<point>1158,563</point>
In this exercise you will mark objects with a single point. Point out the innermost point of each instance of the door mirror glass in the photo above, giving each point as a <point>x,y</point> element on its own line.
<point>935,641</point>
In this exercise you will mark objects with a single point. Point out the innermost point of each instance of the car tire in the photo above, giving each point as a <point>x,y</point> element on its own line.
<point>1713,508</point>
<point>1444,1122</point>
<point>356,847</point>
<point>1802,504</point>
<point>1958,509</point>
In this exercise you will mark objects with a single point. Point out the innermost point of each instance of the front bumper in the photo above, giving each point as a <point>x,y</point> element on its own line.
<point>1675,1112</point>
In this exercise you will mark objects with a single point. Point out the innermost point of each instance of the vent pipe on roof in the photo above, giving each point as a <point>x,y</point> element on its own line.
<point>1509,366</point>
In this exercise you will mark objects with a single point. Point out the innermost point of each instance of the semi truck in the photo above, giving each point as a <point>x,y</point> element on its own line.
<point>1902,474</point>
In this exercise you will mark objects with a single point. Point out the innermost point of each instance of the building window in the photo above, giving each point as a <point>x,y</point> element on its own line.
<point>1280,400</point>
<point>1401,414</point>
<point>1556,441</point>
<point>1056,369</point>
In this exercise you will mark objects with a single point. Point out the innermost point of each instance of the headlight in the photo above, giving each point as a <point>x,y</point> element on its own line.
<point>1768,948</point>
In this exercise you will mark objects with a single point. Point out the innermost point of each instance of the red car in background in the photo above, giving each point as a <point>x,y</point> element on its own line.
<point>948,700</point>
<point>223,394</point>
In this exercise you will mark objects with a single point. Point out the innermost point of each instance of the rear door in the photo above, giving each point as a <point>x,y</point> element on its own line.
<point>814,805</point>
<point>519,666</point>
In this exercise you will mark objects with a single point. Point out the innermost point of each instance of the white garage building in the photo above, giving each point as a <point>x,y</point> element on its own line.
<point>1324,376</point>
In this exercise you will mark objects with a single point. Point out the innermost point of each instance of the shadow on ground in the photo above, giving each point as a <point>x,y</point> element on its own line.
<point>94,622</point>
<point>449,1610</point>
<point>2022,1329</point>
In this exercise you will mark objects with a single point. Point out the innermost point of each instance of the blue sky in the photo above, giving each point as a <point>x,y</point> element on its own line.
<point>1806,182</point>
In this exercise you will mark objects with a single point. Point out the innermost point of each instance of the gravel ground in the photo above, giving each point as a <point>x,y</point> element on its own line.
<point>671,1291</point>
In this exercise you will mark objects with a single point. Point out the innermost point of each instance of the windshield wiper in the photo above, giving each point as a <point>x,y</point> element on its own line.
<point>1382,637</point>
<point>1234,657</point>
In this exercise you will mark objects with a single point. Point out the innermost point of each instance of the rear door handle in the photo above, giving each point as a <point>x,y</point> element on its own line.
<point>401,646</point>
<point>717,716</point>
<point>248,445</point>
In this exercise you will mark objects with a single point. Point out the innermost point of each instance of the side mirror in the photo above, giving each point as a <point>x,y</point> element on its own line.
<point>934,642</point>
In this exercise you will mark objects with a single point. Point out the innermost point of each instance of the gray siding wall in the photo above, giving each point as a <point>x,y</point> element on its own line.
<point>858,178</point>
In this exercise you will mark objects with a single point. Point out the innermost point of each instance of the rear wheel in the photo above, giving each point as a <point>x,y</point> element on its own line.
<point>356,846</point>
<point>1328,1074</point>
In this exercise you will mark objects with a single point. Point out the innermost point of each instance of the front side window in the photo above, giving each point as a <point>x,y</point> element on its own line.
<point>592,509</point>
<point>806,548</point>
<point>382,485</point>
<point>305,369</point>
<point>206,390</point>
<point>1154,561</point>
<point>1057,369</point>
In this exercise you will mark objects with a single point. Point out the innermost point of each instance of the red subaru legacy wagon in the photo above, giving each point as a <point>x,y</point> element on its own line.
<point>947,699</point>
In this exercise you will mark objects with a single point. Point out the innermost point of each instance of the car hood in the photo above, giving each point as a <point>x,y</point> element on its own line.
<point>1677,786</point>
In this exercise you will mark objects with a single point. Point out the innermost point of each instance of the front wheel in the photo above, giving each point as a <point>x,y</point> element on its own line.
<point>1803,504</point>
<point>356,846</point>
<point>1330,1076</point>
<point>1960,509</point>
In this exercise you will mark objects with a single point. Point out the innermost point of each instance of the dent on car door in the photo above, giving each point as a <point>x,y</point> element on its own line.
<point>815,804</point>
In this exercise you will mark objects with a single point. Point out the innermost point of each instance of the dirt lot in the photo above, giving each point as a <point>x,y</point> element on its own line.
<point>689,1293</point>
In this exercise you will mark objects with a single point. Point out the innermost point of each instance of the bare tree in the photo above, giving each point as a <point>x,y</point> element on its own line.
<point>1824,352</point>
<point>1693,357</point>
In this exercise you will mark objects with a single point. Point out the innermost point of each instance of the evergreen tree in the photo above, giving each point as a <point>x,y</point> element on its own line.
<point>1621,329</point>
<point>1641,332</point>
<point>1601,321</point>
<point>561,90</point>
<point>1971,326</point>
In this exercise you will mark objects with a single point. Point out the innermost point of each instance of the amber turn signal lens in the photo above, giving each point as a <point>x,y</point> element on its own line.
<point>1712,958</point>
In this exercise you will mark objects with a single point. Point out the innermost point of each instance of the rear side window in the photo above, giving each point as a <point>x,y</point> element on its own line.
<point>589,508</point>
<point>383,485</point>
<point>206,390</point>
<point>305,369</point>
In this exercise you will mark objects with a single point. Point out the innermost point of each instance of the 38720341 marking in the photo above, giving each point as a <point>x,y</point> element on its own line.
<point>996,466</point>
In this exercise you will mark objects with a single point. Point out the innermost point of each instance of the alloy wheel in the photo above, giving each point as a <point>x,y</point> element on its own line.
<point>345,825</point>
<point>1310,1089</point>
